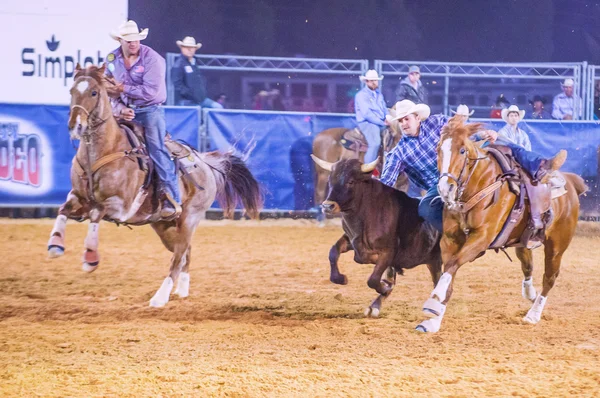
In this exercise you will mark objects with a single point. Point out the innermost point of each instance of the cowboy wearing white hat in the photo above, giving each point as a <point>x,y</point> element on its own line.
<point>411,87</point>
<point>566,105</point>
<point>187,77</point>
<point>416,154</point>
<point>139,72</point>
<point>463,110</point>
<point>370,109</point>
<point>511,131</point>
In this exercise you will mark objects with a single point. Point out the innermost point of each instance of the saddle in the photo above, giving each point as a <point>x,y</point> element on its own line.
<point>354,140</point>
<point>539,196</point>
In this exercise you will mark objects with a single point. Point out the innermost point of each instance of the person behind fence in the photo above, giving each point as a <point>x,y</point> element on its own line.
<point>511,133</point>
<point>501,103</point>
<point>187,78</point>
<point>140,90</point>
<point>538,110</point>
<point>416,154</point>
<point>564,104</point>
<point>411,87</point>
<point>462,111</point>
<point>370,109</point>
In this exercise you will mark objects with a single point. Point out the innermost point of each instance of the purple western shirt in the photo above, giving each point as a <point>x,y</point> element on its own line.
<point>144,83</point>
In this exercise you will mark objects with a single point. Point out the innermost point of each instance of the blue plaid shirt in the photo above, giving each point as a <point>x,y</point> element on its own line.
<point>417,156</point>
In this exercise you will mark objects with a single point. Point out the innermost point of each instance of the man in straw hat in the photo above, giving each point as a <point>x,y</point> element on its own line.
<point>189,83</point>
<point>462,111</point>
<point>564,104</point>
<point>370,109</point>
<point>416,154</point>
<point>139,92</point>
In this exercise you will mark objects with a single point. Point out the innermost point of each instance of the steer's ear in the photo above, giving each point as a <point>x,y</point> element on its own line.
<point>369,167</point>
<point>325,165</point>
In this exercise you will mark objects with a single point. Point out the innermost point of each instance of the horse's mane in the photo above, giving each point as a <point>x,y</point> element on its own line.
<point>456,127</point>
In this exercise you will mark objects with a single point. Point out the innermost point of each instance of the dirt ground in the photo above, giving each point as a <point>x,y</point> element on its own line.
<point>263,319</point>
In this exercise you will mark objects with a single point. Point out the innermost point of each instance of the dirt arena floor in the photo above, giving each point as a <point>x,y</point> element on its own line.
<point>263,319</point>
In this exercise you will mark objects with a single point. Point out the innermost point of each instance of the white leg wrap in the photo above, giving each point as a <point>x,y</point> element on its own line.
<point>442,287</point>
<point>91,240</point>
<point>535,312</point>
<point>183,285</point>
<point>161,298</point>
<point>59,226</point>
<point>432,325</point>
<point>528,291</point>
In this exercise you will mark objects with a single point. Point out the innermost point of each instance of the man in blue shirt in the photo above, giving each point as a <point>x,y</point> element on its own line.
<point>416,154</point>
<point>370,109</point>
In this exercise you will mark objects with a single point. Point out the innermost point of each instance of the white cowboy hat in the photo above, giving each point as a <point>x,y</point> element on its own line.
<point>463,110</point>
<point>406,107</point>
<point>188,41</point>
<point>568,83</point>
<point>370,75</point>
<point>512,108</point>
<point>129,31</point>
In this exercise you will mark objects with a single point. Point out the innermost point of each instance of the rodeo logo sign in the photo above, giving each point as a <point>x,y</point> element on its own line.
<point>22,152</point>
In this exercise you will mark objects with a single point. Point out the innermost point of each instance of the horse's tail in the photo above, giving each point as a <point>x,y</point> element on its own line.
<point>236,185</point>
<point>578,183</point>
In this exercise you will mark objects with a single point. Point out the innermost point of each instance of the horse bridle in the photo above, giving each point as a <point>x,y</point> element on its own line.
<point>91,117</point>
<point>461,185</point>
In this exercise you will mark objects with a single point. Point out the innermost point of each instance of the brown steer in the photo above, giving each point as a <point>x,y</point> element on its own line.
<point>381,225</point>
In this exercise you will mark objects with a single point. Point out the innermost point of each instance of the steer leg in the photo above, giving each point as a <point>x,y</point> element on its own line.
<point>389,279</point>
<point>341,246</point>
<point>381,285</point>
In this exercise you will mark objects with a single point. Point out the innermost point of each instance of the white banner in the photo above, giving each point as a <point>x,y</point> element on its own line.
<point>45,39</point>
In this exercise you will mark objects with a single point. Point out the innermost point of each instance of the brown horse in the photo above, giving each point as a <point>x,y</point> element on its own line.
<point>108,183</point>
<point>327,146</point>
<point>477,202</point>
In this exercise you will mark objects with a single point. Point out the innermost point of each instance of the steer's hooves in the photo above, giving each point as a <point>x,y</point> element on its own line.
<point>340,279</point>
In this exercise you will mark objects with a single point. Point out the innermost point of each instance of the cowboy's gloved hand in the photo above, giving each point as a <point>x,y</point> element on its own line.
<point>127,114</point>
<point>115,91</point>
<point>489,135</point>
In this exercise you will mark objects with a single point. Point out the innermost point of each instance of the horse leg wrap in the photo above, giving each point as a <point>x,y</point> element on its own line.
<point>59,226</point>
<point>528,291</point>
<point>91,257</point>
<point>442,287</point>
<point>91,240</point>
<point>183,285</point>
<point>433,308</point>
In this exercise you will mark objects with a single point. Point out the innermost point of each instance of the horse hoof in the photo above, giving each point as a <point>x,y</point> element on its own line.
<point>55,251</point>
<point>87,267</point>
<point>530,319</point>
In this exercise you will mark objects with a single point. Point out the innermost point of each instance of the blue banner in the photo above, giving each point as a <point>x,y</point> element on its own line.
<point>36,151</point>
<point>281,159</point>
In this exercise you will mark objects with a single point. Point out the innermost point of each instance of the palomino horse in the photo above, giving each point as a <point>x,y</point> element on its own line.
<point>108,183</point>
<point>327,146</point>
<point>478,201</point>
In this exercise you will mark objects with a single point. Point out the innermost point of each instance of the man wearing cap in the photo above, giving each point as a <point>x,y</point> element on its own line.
<point>411,88</point>
<point>370,109</point>
<point>139,92</point>
<point>189,83</point>
<point>416,154</point>
<point>565,103</point>
<point>462,111</point>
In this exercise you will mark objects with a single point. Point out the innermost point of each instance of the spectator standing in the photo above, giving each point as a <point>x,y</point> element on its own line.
<point>411,87</point>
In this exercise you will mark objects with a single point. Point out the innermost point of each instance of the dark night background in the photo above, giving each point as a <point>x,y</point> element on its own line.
<point>427,30</point>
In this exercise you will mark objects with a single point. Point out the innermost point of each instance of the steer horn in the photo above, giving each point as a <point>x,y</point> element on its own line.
<point>325,165</point>
<point>369,167</point>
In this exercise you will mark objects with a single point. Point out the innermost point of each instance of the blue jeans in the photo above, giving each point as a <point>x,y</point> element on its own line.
<point>432,212</point>
<point>207,103</point>
<point>155,130</point>
<point>530,161</point>
<point>372,133</point>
